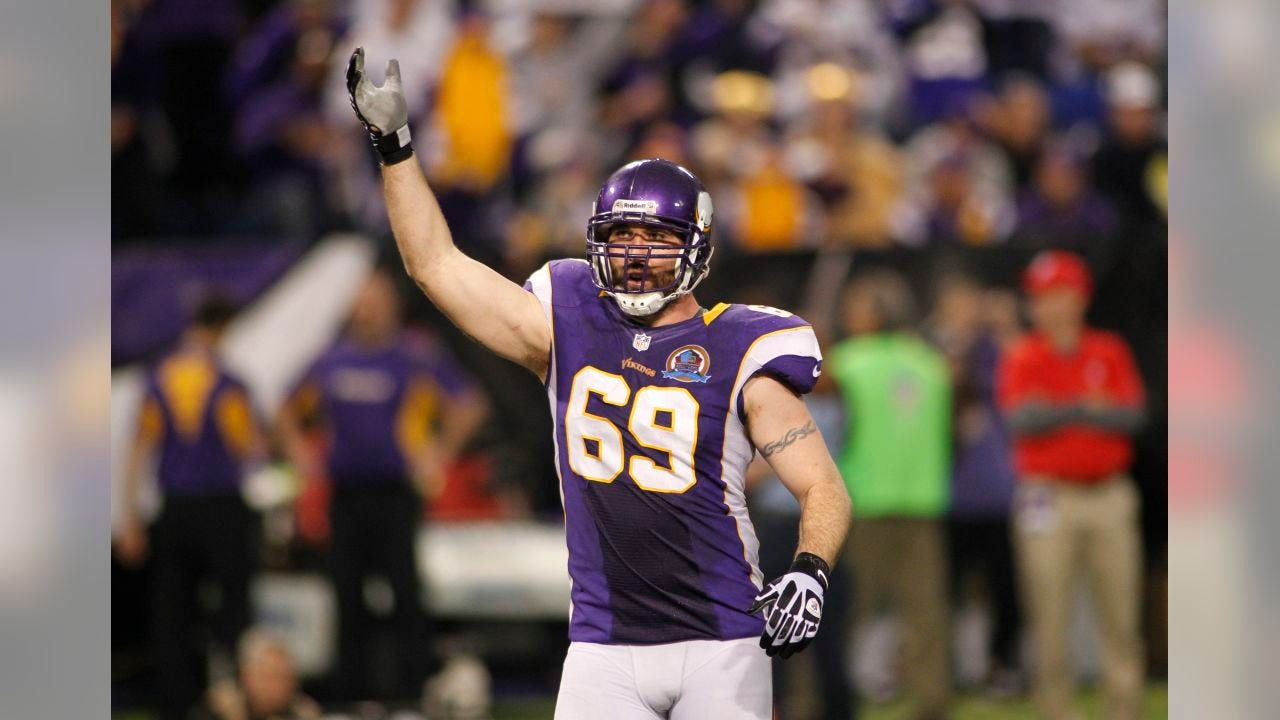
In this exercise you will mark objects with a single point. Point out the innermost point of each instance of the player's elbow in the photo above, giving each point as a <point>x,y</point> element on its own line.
<point>845,502</point>
<point>419,271</point>
<point>412,270</point>
<point>832,494</point>
<point>838,497</point>
<point>427,269</point>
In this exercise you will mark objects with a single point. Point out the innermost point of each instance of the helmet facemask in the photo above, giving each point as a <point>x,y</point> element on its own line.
<point>692,257</point>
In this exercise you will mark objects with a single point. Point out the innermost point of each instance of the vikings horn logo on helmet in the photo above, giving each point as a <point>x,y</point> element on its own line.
<point>705,211</point>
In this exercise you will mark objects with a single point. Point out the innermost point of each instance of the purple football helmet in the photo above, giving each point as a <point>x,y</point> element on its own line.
<point>653,193</point>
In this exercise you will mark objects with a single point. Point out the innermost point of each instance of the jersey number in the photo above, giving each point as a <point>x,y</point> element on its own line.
<point>769,310</point>
<point>664,419</point>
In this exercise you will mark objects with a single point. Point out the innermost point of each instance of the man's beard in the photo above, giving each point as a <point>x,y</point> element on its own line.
<point>625,281</point>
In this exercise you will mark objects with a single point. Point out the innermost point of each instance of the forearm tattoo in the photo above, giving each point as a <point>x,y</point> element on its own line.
<point>788,439</point>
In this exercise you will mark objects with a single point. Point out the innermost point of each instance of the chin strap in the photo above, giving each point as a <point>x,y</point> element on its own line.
<point>641,304</point>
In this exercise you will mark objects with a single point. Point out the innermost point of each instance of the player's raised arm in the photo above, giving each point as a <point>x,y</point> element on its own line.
<point>783,431</point>
<point>495,311</point>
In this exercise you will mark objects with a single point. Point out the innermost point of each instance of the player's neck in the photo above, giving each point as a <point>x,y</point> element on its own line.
<point>678,310</point>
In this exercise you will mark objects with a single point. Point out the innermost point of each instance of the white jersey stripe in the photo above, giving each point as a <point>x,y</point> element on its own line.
<point>541,282</point>
<point>738,451</point>
<point>790,341</point>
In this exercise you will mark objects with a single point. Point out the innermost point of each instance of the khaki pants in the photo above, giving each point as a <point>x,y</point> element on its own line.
<point>1061,529</point>
<point>903,559</point>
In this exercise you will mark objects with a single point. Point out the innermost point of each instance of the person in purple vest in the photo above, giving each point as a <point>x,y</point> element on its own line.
<point>395,409</point>
<point>658,406</point>
<point>198,422</point>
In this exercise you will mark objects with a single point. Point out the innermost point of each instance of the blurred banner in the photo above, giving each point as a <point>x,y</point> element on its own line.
<point>153,289</point>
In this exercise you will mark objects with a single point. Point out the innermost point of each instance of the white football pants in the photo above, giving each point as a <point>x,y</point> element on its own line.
<point>691,680</point>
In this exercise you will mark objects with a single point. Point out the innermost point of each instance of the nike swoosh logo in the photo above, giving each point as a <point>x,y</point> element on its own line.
<point>816,371</point>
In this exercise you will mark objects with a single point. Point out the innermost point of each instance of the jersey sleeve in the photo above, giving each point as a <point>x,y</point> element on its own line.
<point>789,354</point>
<point>539,283</point>
<point>565,284</point>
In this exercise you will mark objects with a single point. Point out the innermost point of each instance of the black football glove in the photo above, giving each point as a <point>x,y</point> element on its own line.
<point>382,109</point>
<point>792,606</point>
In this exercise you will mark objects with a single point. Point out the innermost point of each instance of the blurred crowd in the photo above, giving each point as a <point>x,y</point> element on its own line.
<point>813,122</point>
<point>866,157</point>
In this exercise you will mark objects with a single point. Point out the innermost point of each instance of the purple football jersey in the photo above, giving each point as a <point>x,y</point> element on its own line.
<point>651,449</point>
<point>364,394</point>
<point>196,460</point>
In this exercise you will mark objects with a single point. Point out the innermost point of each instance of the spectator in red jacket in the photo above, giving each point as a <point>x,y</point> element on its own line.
<point>1072,397</point>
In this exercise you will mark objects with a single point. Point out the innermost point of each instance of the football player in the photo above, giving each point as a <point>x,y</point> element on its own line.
<point>658,405</point>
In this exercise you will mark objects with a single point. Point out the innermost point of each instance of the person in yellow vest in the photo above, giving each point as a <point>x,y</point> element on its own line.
<point>471,113</point>
<point>773,208</point>
<point>472,139</point>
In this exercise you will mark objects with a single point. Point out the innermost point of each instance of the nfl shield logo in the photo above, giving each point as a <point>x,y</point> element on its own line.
<point>641,342</point>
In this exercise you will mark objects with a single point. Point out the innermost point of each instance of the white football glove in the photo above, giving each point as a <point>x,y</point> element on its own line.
<point>382,109</point>
<point>792,606</point>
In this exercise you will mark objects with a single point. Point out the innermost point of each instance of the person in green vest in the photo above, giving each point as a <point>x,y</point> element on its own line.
<point>896,461</point>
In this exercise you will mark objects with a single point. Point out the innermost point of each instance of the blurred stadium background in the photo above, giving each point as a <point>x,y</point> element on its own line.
<point>936,138</point>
